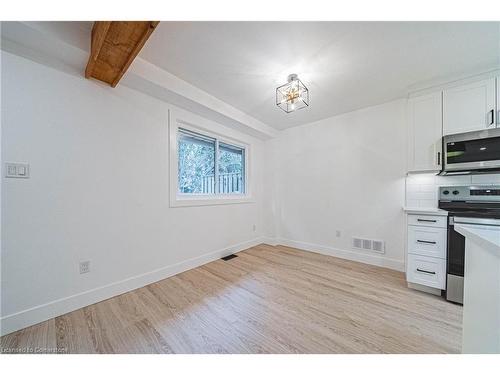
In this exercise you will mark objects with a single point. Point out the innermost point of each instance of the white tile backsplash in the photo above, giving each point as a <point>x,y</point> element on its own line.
<point>482,179</point>
<point>412,203</point>
<point>422,189</point>
<point>452,180</point>
<point>426,188</point>
<point>420,179</point>
<point>427,203</point>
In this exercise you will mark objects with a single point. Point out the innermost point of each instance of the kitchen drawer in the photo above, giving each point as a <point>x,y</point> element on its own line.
<point>427,241</point>
<point>428,220</point>
<point>426,271</point>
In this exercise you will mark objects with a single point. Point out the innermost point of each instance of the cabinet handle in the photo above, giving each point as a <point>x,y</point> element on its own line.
<point>431,242</point>
<point>492,117</point>
<point>427,220</point>
<point>424,271</point>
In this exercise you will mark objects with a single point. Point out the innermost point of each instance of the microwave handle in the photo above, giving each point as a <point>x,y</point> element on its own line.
<point>439,158</point>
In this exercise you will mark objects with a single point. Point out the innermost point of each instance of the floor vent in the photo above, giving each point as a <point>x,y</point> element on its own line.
<point>377,246</point>
<point>229,257</point>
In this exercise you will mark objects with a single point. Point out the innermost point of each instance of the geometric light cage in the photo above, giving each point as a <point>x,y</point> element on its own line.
<point>293,95</point>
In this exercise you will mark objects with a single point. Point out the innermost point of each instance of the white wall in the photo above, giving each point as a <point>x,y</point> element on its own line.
<point>344,173</point>
<point>98,191</point>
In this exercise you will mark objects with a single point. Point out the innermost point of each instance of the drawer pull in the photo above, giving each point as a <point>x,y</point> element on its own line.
<point>427,220</point>
<point>431,242</point>
<point>424,271</point>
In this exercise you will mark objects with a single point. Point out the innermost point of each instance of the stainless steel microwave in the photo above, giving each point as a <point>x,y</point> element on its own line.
<point>472,152</point>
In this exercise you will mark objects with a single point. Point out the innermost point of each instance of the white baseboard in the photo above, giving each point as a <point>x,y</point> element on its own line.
<point>376,260</point>
<point>270,241</point>
<point>41,313</point>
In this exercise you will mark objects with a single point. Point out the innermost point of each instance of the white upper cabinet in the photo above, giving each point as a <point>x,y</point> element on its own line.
<point>425,132</point>
<point>469,107</point>
<point>498,102</point>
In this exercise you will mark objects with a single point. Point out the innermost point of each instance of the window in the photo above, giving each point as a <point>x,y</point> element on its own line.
<point>196,158</point>
<point>231,167</point>
<point>209,166</point>
<point>208,169</point>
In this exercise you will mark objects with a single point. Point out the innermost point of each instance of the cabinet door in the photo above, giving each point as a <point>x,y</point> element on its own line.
<point>469,107</point>
<point>426,271</point>
<point>425,132</point>
<point>427,241</point>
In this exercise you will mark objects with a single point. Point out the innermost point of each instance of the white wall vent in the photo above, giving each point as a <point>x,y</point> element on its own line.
<point>357,243</point>
<point>377,246</point>
<point>367,244</point>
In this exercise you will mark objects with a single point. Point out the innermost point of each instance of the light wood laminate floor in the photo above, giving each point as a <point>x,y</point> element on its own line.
<point>267,300</point>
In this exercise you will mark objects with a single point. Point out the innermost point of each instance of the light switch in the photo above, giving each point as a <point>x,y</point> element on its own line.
<point>17,170</point>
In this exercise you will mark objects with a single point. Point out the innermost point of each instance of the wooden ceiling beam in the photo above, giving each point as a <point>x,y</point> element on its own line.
<point>99,32</point>
<point>114,45</point>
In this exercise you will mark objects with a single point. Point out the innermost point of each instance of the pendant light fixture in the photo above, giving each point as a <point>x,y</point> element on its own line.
<point>292,95</point>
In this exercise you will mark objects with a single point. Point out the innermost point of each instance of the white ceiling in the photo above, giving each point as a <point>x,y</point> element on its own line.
<point>345,65</point>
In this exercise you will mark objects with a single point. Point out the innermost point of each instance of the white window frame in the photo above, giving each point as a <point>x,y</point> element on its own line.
<point>184,120</point>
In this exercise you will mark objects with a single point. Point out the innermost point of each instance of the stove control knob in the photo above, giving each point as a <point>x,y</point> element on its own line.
<point>456,192</point>
<point>446,192</point>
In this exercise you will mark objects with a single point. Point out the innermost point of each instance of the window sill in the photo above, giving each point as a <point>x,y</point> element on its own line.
<point>212,201</point>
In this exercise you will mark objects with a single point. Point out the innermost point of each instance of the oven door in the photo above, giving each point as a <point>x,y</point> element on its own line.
<point>455,264</point>
<point>456,250</point>
<point>475,151</point>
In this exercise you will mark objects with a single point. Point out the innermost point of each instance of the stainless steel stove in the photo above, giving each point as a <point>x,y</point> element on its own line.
<point>474,205</point>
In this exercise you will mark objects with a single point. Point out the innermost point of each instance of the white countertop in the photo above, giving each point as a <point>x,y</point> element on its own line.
<point>487,237</point>
<point>425,211</point>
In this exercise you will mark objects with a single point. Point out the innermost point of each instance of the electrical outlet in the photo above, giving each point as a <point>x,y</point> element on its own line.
<point>85,266</point>
<point>338,233</point>
<point>254,227</point>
